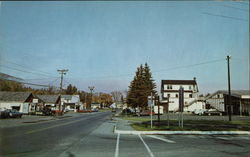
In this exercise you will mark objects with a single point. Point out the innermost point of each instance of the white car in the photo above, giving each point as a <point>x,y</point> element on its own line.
<point>199,111</point>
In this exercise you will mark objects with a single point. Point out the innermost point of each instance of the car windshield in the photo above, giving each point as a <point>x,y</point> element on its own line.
<point>111,78</point>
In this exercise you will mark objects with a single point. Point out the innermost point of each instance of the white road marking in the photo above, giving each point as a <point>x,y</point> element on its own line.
<point>117,146</point>
<point>162,139</point>
<point>224,138</point>
<point>149,151</point>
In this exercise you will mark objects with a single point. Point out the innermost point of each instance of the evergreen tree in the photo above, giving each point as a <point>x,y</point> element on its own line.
<point>71,89</point>
<point>141,87</point>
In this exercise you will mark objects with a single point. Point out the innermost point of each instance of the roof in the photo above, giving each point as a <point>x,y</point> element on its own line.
<point>182,82</point>
<point>68,97</point>
<point>72,98</point>
<point>48,98</point>
<point>14,96</point>
<point>235,93</point>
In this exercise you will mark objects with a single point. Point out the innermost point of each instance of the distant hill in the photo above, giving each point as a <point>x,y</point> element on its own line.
<point>9,77</point>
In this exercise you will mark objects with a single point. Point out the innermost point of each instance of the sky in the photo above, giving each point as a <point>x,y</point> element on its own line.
<point>102,43</point>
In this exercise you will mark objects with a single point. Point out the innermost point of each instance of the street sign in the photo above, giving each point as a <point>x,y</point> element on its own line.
<point>151,101</point>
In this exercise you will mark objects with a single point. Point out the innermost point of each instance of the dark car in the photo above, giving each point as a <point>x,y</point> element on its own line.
<point>47,111</point>
<point>213,112</point>
<point>15,114</point>
<point>4,114</point>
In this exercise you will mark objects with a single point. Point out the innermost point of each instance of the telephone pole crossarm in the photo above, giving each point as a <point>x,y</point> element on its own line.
<point>62,72</point>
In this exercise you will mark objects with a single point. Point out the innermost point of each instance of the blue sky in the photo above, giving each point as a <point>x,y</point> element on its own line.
<point>102,43</point>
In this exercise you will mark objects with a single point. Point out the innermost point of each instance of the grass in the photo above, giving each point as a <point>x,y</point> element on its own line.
<point>192,125</point>
<point>104,110</point>
<point>133,118</point>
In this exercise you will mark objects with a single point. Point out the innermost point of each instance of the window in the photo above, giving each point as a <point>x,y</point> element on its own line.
<point>218,96</point>
<point>168,95</point>
<point>190,87</point>
<point>169,87</point>
<point>190,95</point>
<point>176,95</point>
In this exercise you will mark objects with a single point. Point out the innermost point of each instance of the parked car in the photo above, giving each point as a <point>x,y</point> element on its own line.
<point>199,111</point>
<point>47,111</point>
<point>84,111</point>
<point>94,109</point>
<point>146,113</point>
<point>213,112</point>
<point>4,114</point>
<point>15,114</point>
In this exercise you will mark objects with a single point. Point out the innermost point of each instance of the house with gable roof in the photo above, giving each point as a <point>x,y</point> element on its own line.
<point>24,102</point>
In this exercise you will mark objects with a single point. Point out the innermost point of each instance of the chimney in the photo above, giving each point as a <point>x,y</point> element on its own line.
<point>194,78</point>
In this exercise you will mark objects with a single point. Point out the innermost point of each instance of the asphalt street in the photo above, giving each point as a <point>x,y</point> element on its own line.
<point>48,138</point>
<point>92,135</point>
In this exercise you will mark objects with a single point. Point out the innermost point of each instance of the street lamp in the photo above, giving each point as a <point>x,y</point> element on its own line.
<point>91,88</point>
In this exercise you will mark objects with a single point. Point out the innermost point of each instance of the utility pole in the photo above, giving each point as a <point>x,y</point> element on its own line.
<point>91,88</point>
<point>229,89</point>
<point>62,72</point>
<point>158,104</point>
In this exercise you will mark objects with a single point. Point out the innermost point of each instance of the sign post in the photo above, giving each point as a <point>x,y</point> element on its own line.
<point>151,104</point>
<point>181,105</point>
<point>168,111</point>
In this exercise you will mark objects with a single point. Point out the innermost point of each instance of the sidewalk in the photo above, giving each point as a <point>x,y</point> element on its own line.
<point>122,124</point>
<point>123,127</point>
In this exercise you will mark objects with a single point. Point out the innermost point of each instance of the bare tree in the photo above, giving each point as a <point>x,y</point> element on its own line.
<point>116,96</point>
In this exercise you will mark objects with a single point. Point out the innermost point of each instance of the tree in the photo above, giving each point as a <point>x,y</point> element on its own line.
<point>116,96</point>
<point>7,85</point>
<point>71,89</point>
<point>141,87</point>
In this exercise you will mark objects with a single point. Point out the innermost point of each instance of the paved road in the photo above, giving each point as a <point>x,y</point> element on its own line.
<point>48,138</point>
<point>92,135</point>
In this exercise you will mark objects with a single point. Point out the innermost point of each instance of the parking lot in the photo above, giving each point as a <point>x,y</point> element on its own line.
<point>181,145</point>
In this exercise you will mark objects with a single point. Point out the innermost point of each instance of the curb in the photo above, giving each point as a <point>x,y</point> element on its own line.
<point>133,132</point>
<point>182,132</point>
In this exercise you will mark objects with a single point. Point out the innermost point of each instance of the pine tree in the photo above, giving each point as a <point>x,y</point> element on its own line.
<point>141,87</point>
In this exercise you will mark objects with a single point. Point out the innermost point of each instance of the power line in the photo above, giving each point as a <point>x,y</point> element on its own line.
<point>223,16</point>
<point>25,71</point>
<point>190,65</point>
<point>227,6</point>
<point>28,67</point>
<point>243,3</point>
<point>172,68</point>
<point>41,78</point>
<point>34,84</point>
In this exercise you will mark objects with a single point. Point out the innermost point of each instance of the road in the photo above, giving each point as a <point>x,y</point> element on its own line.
<point>91,135</point>
<point>50,138</point>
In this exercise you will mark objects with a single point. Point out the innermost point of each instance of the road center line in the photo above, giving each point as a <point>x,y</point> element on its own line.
<point>58,125</point>
<point>149,151</point>
<point>162,139</point>
<point>117,146</point>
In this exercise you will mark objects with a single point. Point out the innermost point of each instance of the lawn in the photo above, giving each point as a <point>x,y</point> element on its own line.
<point>191,125</point>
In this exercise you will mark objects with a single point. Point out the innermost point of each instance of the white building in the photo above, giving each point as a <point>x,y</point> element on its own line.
<point>24,102</point>
<point>71,102</point>
<point>170,90</point>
